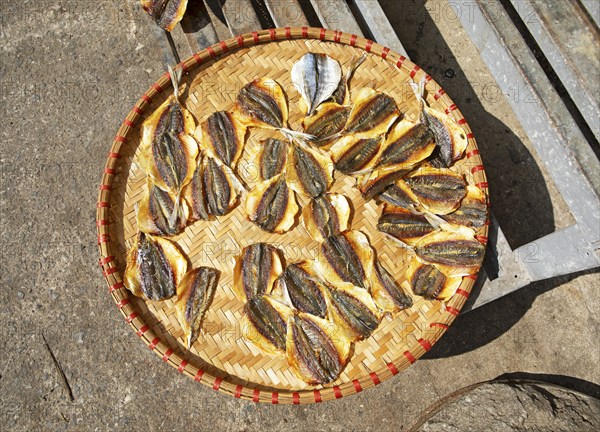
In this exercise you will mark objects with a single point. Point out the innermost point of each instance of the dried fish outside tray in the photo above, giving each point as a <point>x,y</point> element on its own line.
<point>272,157</point>
<point>265,324</point>
<point>315,354</point>
<point>404,225</point>
<point>272,205</point>
<point>440,191</point>
<point>327,123</point>
<point>221,136</point>
<point>166,13</point>
<point>326,215</point>
<point>342,93</point>
<point>353,311</point>
<point>387,292</point>
<point>155,266</point>
<point>300,286</point>
<point>310,173</point>
<point>428,282</point>
<point>157,207</point>
<point>194,296</point>
<point>352,154</point>
<point>316,77</point>
<point>346,257</point>
<point>256,270</point>
<point>473,210</point>
<point>454,253</point>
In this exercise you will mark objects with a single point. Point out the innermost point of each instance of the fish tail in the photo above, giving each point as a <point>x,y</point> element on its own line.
<point>176,209</point>
<point>354,64</point>
<point>295,135</point>
<point>175,79</point>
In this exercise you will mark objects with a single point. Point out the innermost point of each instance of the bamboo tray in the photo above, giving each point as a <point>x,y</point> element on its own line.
<point>221,358</point>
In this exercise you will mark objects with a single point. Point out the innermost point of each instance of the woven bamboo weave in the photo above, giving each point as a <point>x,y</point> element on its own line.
<point>222,358</point>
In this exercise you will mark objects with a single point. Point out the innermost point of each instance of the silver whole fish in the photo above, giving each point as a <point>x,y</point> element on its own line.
<point>316,77</point>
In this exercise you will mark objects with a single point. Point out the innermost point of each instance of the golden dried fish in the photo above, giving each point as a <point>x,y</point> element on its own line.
<point>299,286</point>
<point>342,93</point>
<point>326,215</point>
<point>272,158</point>
<point>454,253</point>
<point>438,190</point>
<point>427,281</point>
<point>326,124</point>
<point>157,208</point>
<point>194,296</point>
<point>222,188</point>
<point>402,224</point>
<point>372,183</point>
<point>346,257</point>
<point>315,355</point>
<point>155,266</point>
<point>310,173</point>
<point>194,194</point>
<point>399,195</point>
<point>316,77</point>
<point>272,205</point>
<point>256,269</point>
<point>352,154</point>
<point>406,145</point>
<point>166,13</point>
<point>387,293</point>
<point>472,210</point>
<point>372,114</point>
<point>265,324</point>
<point>353,310</point>
<point>222,137</point>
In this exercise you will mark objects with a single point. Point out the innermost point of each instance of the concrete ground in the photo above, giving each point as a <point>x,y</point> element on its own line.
<point>69,73</point>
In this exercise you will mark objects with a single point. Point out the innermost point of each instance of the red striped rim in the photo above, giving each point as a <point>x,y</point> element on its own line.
<point>353,40</point>
<point>131,317</point>
<point>462,292</point>
<point>440,325</point>
<point>296,398</point>
<point>374,378</point>
<point>425,344</point>
<point>337,392</point>
<point>368,46</point>
<point>384,52</point>
<point>198,376</point>
<point>414,71</point>
<point>223,46</point>
<point>411,358</point>
<point>238,391</point>
<point>115,287</point>
<point>317,396</point>
<point>357,386</point>
<point>123,303</point>
<point>452,310</point>
<point>256,395</point>
<point>275,398</point>
<point>182,366</point>
<point>110,171</point>
<point>304,32</point>
<point>167,354</point>
<point>288,32</point>
<point>217,383</point>
<point>153,344</point>
<point>143,329</point>
<point>240,41</point>
<point>392,368</point>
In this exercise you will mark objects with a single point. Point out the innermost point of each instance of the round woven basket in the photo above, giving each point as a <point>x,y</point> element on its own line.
<point>221,357</point>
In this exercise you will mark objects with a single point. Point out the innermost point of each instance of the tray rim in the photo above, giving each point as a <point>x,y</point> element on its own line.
<point>121,295</point>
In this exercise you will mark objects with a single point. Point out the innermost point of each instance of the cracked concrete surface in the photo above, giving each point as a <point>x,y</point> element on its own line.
<point>70,72</point>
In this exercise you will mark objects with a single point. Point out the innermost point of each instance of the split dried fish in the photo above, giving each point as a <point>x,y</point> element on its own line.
<point>272,205</point>
<point>354,311</point>
<point>316,77</point>
<point>406,145</point>
<point>371,184</point>
<point>256,270</point>
<point>194,296</point>
<point>387,293</point>
<point>155,266</point>
<point>399,195</point>
<point>327,123</point>
<point>310,173</point>
<point>472,211</point>
<point>222,188</point>
<point>404,225</point>
<point>342,93</point>
<point>221,136</point>
<point>440,191</point>
<point>326,215</point>
<point>272,157</point>
<point>352,154</point>
<point>315,355</point>
<point>300,286</point>
<point>372,114</point>
<point>166,13</point>
<point>346,257</point>
<point>194,194</point>
<point>428,282</point>
<point>454,253</point>
<point>156,210</point>
<point>265,324</point>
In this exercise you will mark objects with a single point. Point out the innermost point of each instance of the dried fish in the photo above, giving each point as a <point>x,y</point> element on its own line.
<point>404,225</point>
<point>342,93</point>
<point>256,270</point>
<point>316,77</point>
<point>265,324</point>
<point>354,311</point>
<point>372,114</point>
<point>315,355</point>
<point>272,157</point>
<point>406,145</point>
<point>371,184</point>
<point>299,286</point>
<point>221,136</point>
<point>439,190</point>
<point>346,257</point>
<point>352,154</point>
<point>454,253</point>
<point>427,281</point>
<point>327,123</point>
<point>472,211</point>
<point>387,293</point>
<point>326,215</point>
<point>194,296</point>
<point>222,188</point>
<point>194,194</point>
<point>310,173</point>
<point>156,210</point>
<point>399,195</point>
<point>155,266</point>
<point>272,205</point>
<point>166,13</point>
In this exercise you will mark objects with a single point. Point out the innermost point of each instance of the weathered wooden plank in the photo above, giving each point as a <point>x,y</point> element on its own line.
<point>216,17</point>
<point>240,16</point>
<point>198,28</point>
<point>286,13</point>
<point>335,14</point>
<point>378,24</point>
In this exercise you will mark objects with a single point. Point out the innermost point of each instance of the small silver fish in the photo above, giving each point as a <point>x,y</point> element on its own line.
<point>316,77</point>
